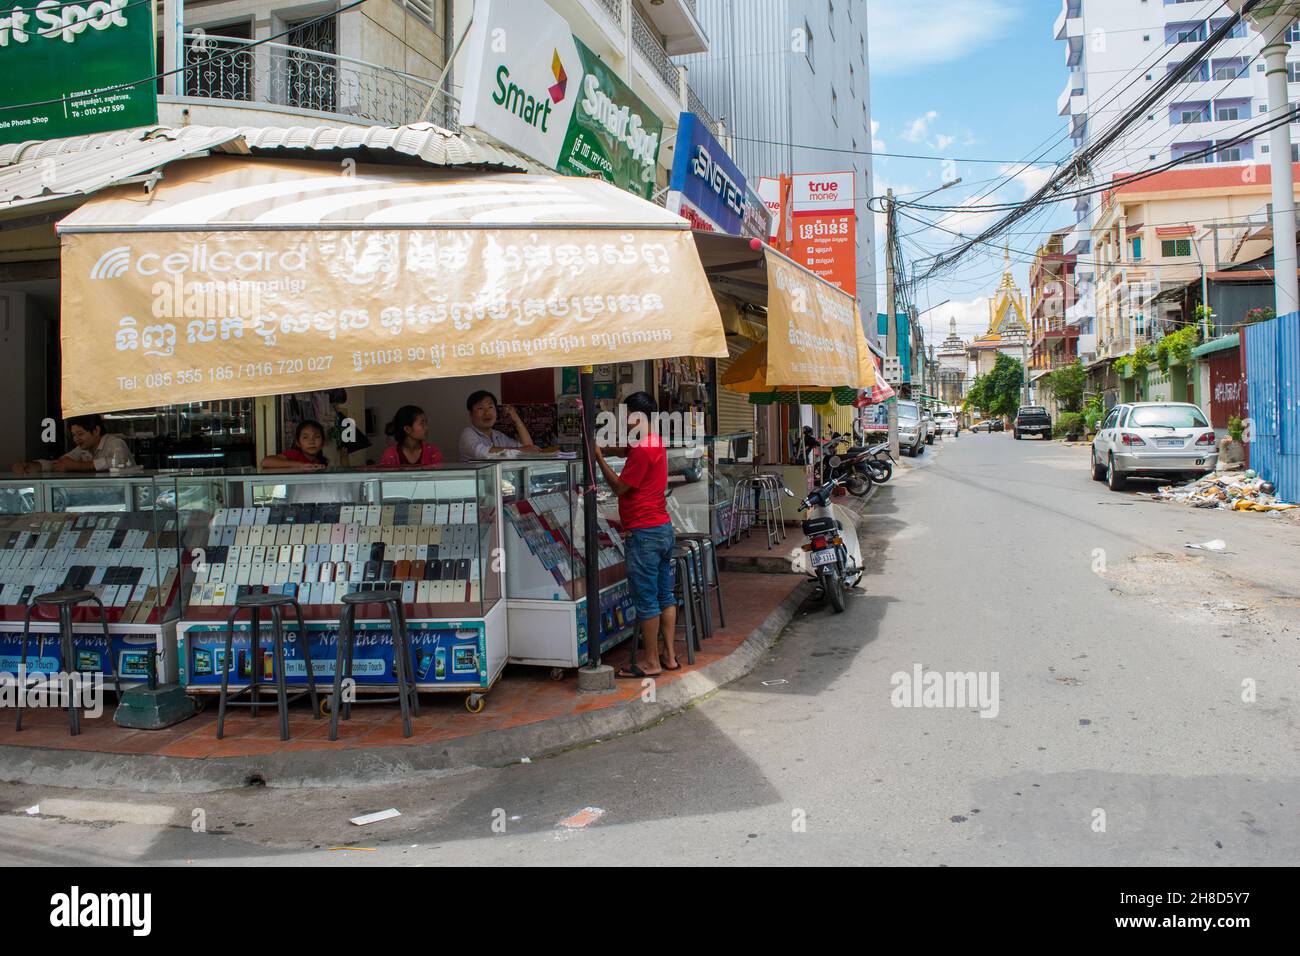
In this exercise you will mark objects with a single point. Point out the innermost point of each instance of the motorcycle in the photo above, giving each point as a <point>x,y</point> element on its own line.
<point>834,558</point>
<point>857,467</point>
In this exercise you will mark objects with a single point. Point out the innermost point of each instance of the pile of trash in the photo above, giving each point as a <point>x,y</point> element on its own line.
<point>1237,491</point>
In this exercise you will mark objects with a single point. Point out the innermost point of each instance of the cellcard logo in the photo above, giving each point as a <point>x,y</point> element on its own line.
<point>114,263</point>
<point>955,689</point>
<point>199,258</point>
<point>76,909</point>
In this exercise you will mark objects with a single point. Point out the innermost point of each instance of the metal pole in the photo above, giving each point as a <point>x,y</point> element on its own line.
<point>1284,220</point>
<point>590,536</point>
<point>891,308</point>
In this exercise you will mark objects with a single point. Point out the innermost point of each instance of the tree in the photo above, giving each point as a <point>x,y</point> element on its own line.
<point>1003,386</point>
<point>976,395</point>
<point>1067,384</point>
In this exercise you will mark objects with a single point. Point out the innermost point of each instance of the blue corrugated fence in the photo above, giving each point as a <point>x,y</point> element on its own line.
<point>1273,388</point>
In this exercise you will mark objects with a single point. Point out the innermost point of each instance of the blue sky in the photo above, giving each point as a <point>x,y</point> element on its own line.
<point>965,79</point>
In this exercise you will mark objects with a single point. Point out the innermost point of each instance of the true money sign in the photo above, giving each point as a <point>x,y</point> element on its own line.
<point>62,66</point>
<point>534,86</point>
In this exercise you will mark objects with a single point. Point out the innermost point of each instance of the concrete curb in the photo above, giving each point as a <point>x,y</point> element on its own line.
<point>363,768</point>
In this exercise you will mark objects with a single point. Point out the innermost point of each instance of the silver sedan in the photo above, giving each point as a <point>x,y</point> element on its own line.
<point>1153,440</point>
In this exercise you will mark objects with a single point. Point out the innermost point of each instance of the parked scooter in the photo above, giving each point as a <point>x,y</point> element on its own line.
<point>834,558</point>
<point>857,467</point>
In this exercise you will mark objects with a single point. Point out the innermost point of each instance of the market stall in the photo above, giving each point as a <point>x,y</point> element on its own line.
<point>384,276</point>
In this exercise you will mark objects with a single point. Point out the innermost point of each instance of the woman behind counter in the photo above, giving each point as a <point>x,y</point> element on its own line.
<point>410,431</point>
<point>305,455</point>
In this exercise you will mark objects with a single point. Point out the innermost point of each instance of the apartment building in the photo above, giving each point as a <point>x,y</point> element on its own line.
<point>379,63</point>
<point>1114,51</point>
<point>1154,237</point>
<point>1053,341</point>
<point>788,80</point>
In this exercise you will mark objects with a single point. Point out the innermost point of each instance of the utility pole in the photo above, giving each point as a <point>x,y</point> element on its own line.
<point>1272,18</point>
<point>891,308</point>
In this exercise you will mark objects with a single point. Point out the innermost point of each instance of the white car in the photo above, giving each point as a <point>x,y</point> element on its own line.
<point>912,428</point>
<point>1153,440</point>
<point>945,423</point>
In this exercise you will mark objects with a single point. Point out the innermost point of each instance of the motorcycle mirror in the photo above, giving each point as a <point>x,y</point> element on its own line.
<point>788,492</point>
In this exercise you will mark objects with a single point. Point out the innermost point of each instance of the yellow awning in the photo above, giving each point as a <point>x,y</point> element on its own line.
<point>238,277</point>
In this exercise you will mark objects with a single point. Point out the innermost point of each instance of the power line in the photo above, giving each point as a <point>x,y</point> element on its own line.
<point>1051,190</point>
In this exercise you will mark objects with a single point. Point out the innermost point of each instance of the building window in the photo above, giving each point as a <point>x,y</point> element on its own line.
<point>1175,248</point>
<point>1136,243</point>
<point>1198,114</point>
<point>1293,71</point>
<point>1293,33</point>
<point>1295,152</point>
<point>1228,113</point>
<point>1230,154</point>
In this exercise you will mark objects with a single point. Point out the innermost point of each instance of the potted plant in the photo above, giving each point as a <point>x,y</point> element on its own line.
<point>1069,425</point>
<point>1232,450</point>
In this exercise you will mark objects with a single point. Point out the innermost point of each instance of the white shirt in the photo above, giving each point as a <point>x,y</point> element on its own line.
<point>112,450</point>
<point>475,446</point>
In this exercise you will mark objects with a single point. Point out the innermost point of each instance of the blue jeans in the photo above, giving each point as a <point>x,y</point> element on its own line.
<point>650,569</point>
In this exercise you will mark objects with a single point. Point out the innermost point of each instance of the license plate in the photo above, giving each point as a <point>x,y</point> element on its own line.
<point>1169,443</point>
<point>820,558</point>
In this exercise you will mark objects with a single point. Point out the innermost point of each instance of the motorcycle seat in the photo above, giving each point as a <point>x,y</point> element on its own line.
<point>856,450</point>
<point>820,525</point>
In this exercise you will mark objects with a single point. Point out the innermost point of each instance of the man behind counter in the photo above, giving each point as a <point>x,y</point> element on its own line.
<point>480,438</point>
<point>96,450</point>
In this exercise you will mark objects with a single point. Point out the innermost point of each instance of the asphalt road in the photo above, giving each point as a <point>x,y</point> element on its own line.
<point>1145,712</point>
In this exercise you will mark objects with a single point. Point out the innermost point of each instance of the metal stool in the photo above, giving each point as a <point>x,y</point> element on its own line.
<point>705,542</point>
<point>700,580</point>
<point>65,601</point>
<point>255,604</point>
<point>403,669</point>
<point>765,492</point>
<point>689,597</point>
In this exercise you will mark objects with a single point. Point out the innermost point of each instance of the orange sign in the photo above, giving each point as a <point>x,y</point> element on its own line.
<point>825,227</point>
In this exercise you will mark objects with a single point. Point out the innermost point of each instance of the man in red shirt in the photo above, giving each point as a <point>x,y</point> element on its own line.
<point>648,538</point>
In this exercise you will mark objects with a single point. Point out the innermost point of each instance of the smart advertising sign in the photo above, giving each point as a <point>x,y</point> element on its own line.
<point>69,61</point>
<point>535,87</point>
<point>707,188</point>
<point>825,227</point>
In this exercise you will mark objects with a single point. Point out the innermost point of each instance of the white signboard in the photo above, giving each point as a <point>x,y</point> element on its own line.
<point>769,190</point>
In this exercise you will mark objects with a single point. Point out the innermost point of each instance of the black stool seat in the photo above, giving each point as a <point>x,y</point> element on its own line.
<point>255,603</point>
<point>408,694</point>
<point>65,598</point>
<point>264,600</point>
<point>359,598</point>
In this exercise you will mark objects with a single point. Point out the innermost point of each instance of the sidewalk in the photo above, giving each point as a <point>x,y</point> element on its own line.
<point>527,715</point>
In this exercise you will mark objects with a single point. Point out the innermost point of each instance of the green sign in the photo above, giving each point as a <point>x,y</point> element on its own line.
<point>61,62</point>
<point>612,134</point>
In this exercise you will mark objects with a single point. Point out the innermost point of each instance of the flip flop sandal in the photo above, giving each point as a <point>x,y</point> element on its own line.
<point>667,668</point>
<point>628,672</point>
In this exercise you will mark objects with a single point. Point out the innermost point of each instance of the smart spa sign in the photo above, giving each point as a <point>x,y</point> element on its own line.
<point>534,86</point>
<point>62,66</point>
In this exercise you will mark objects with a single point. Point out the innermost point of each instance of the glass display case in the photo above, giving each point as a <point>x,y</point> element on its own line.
<point>432,534</point>
<point>119,537</point>
<point>545,560</point>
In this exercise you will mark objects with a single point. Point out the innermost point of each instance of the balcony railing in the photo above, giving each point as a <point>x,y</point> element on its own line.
<point>226,68</point>
<point>645,39</point>
<point>704,116</point>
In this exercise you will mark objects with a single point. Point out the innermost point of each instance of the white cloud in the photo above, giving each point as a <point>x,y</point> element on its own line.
<point>877,143</point>
<point>1030,180</point>
<point>972,317</point>
<point>916,132</point>
<point>914,35</point>
<point>942,142</point>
